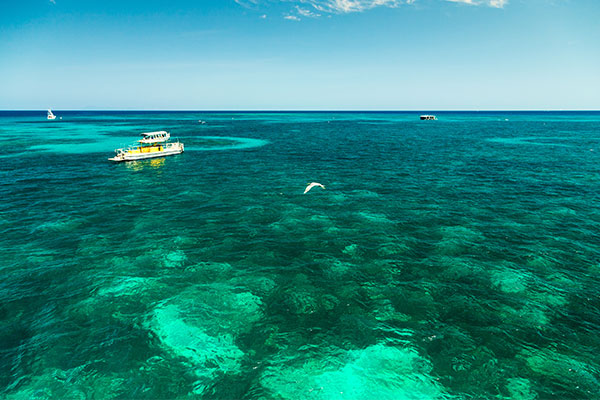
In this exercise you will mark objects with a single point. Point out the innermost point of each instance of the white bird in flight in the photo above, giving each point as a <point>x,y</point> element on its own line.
<point>312,185</point>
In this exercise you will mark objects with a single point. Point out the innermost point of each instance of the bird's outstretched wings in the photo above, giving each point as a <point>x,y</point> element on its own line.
<point>312,185</point>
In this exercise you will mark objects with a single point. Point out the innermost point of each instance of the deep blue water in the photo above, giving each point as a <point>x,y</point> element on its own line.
<point>457,258</point>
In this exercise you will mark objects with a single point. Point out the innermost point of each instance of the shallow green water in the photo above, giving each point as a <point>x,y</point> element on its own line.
<point>457,258</point>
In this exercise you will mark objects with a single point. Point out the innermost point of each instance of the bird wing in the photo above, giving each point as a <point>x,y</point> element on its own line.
<point>312,185</point>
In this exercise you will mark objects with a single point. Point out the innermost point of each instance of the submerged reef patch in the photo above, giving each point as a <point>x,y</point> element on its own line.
<point>378,371</point>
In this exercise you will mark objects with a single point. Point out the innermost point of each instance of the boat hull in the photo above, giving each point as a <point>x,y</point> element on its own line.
<point>172,150</point>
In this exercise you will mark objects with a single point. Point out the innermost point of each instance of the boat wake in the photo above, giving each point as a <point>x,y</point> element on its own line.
<point>532,140</point>
<point>101,144</point>
<point>209,143</point>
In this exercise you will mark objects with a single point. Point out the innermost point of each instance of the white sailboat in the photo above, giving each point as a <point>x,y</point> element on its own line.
<point>50,115</point>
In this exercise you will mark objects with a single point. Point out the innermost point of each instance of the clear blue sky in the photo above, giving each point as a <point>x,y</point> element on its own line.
<point>300,54</point>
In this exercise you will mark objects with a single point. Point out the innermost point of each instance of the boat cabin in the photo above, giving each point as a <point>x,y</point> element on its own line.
<point>428,117</point>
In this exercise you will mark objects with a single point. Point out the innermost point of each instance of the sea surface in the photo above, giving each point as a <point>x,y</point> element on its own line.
<point>448,259</point>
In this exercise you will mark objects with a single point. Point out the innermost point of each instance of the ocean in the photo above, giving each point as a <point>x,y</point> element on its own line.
<point>448,259</point>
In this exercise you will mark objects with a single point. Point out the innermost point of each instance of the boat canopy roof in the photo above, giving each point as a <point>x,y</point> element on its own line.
<point>155,133</point>
<point>155,137</point>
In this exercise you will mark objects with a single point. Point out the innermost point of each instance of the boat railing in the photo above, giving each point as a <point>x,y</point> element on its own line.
<point>124,148</point>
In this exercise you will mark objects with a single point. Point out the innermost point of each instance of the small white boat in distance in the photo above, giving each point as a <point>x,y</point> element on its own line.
<point>50,115</point>
<point>428,117</point>
<point>151,145</point>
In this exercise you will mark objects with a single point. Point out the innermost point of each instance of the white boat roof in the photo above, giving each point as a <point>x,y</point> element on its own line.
<point>146,134</point>
<point>154,137</point>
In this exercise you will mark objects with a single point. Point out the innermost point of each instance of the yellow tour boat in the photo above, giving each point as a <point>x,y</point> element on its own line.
<point>152,144</point>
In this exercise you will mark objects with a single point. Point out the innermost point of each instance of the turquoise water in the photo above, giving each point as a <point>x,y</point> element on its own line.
<point>449,259</point>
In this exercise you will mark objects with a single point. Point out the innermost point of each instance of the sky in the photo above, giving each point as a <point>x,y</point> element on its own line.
<point>300,54</point>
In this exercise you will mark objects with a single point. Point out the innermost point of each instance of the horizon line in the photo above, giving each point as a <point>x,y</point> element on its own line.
<point>301,110</point>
